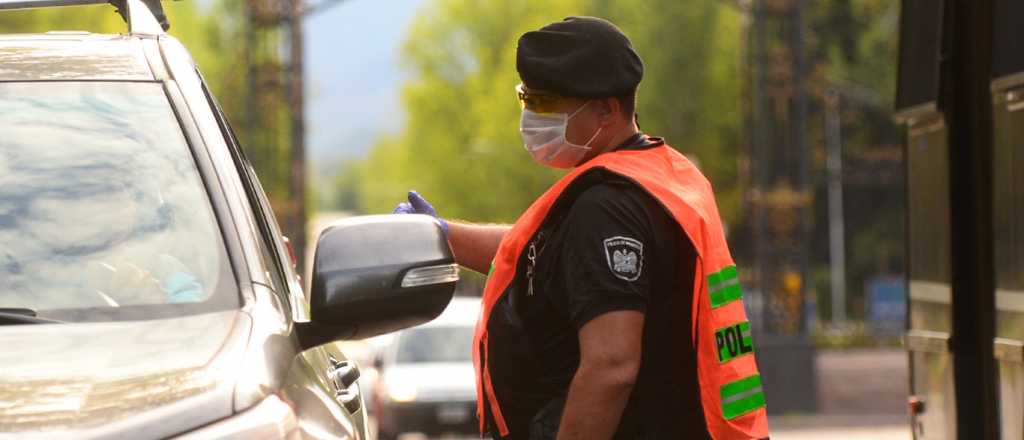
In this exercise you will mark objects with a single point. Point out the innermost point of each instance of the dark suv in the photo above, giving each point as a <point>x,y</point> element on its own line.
<point>145,288</point>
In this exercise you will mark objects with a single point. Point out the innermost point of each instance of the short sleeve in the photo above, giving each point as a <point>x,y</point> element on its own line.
<point>608,241</point>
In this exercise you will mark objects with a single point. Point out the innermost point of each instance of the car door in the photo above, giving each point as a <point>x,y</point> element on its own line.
<point>334,371</point>
<point>335,403</point>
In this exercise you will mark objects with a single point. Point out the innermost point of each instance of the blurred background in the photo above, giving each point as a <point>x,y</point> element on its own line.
<point>786,105</point>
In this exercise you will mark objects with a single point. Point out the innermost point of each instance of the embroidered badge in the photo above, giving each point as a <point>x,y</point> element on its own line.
<point>625,257</point>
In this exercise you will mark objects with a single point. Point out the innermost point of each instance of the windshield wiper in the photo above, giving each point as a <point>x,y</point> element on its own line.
<point>13,316</point>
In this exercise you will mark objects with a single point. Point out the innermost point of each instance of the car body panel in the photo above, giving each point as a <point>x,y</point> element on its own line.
<point>56,383</point>
<point>72,57</point>
<point>315,398</point>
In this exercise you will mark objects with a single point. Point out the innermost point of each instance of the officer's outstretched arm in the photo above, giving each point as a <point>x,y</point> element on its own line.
<point>475,245</point>
<point>609,363</point>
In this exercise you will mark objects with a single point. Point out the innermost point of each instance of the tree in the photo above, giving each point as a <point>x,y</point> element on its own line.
<point>460,144</point>
<point>855,53</point>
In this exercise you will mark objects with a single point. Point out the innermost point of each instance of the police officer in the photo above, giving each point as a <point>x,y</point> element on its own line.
<point>612,307</point>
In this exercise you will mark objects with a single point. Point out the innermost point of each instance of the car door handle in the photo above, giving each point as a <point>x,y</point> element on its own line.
<point>343,373</point>
<point>349,398</point>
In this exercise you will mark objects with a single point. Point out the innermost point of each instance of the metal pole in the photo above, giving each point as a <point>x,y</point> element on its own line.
<point>760,145</point>
<point>798,130</point>
<point>837,245</point>
<point>297,176</point>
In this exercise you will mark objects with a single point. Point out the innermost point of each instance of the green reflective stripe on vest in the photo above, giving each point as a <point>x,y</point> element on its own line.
<point>742,396</point>
<point>724,286</point>
<point>733,341</point>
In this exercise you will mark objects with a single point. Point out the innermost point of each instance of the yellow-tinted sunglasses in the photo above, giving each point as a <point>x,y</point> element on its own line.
<point>540,102</point>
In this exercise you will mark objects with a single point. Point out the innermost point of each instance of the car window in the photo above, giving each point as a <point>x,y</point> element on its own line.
<point>266,244</point>
<point>285,264</point>
<point>274,255</point>
<point>273,234</point>
<point>103,213</point>
<point>435,344</point>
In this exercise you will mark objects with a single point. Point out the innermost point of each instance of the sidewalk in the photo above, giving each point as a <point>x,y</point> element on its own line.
<point>862,395</point>
<point>845,427</point>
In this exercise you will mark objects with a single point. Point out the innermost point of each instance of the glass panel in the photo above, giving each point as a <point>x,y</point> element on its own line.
<point>1008,200</point>
<point>1008,210</point>
<point>1007,38</point>
<point>933,381</point>
<point>929,228</point>
<point>920,32</point>
<point>102,210</point>
<point>1011,401</point>
<point>929,262</point>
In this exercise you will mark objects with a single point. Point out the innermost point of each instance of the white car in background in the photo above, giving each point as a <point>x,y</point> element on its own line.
<point>427,384</point>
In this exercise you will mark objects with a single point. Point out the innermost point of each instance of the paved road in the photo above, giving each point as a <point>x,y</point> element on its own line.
<point>875,433</point>
<point>807,427</point>
<point>862,395</point>
<point>863,381</point>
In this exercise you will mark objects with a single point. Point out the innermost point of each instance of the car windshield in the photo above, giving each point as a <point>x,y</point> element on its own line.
<point>103,215</point>
<point>435,344</point>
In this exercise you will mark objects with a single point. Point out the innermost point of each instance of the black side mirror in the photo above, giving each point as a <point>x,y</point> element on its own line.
<point>378,274</point>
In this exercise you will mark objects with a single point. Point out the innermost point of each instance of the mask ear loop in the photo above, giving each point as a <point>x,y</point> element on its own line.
<point>585,104</point>
<point>585,146</point>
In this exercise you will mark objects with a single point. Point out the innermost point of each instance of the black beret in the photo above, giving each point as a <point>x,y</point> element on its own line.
<point>581,57</point>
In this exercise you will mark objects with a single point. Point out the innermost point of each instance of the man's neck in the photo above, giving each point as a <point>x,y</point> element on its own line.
<point>621,135</point>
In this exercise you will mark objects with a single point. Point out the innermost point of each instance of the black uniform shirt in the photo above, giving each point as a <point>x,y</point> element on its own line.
<point>614,247</point>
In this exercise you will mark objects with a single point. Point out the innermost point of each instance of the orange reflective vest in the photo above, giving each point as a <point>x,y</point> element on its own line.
<point>730,386</point>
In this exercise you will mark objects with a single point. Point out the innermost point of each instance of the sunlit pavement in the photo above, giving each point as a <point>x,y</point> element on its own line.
<point>862,394</point>
<point>804,428</point>
<point>891,433</point>
<point>877,433</point>
<point>845,427</point>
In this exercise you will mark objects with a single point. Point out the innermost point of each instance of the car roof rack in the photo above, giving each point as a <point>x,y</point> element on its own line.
<point>142,16</point>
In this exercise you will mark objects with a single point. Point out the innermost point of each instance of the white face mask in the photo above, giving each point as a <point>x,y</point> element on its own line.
<point>544,137</point>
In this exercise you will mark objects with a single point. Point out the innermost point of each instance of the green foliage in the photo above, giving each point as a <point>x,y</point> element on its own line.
<point>460,145</point>
<point>345,195</point>
<point>851,334</point>
<point>79,18</point>
<point>217,38</point>
<point>852,48</point>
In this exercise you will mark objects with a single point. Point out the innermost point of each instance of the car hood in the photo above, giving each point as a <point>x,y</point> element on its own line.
<point>434,381</point>
<point>113,379</point>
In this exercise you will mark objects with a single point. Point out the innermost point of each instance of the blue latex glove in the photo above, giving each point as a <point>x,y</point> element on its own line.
<point>418,205</point>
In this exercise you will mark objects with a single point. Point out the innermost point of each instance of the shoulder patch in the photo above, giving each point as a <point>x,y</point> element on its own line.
<point>625,257</point>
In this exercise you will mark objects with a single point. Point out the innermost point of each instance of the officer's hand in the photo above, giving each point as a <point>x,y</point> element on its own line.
<point>418,205</point>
